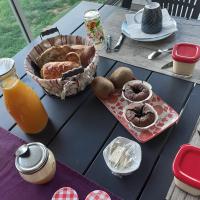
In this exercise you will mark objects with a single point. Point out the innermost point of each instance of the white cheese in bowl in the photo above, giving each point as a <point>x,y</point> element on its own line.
<point>122,156</point>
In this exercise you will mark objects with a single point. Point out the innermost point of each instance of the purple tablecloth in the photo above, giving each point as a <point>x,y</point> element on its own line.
<point>13,187</point>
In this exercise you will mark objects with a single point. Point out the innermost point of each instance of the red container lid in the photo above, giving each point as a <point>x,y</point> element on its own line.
<point>98,195</point>
<point>186,53</point>
<point>186,165</point>
<point>65,193</point>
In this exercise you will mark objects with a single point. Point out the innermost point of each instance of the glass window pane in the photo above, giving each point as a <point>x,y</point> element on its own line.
<point>11,38</point>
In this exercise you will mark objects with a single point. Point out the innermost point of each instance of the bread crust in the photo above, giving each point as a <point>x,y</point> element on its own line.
<point>54,70</point>
<point>86,53</point>
<point>53,54</point>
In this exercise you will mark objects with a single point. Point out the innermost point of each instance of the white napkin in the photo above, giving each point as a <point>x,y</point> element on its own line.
<point>134,28</point>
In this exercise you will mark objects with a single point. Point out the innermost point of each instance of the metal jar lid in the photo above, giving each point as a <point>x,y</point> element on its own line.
<point>31,157</point>
<point>6,67</point>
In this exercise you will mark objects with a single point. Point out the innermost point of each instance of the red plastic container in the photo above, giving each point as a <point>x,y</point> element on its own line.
<point>186,169</point>
<point>185,55</point>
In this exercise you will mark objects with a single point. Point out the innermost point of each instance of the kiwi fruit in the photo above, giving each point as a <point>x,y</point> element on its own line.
<point>120,76</point>
<point>102,87</point>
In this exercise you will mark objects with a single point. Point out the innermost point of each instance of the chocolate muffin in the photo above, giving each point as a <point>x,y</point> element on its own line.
<point>136,91</point>
<point>141,115</point>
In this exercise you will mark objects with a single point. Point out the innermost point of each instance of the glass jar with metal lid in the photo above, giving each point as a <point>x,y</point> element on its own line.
<point>93,26</point>
<point>35,163</point>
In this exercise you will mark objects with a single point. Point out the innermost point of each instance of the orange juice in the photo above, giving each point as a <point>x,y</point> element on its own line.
<point>23,104</point>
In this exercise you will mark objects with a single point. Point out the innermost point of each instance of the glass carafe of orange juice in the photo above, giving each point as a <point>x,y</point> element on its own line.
<point>20,100</point>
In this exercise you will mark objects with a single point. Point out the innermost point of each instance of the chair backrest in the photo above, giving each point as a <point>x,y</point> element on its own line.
<point>126,3</point>
<point>189,9</point>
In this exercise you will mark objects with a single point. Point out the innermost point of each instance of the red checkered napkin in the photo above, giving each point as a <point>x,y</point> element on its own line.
<point>65,193</point>
<point>98,195</point>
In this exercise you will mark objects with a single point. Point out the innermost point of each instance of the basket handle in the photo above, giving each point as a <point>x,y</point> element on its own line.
<point>72,72</point>
<point>48,32</point>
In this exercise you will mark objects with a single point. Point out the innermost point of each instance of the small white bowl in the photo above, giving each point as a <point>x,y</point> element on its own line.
<point>136,158</point>
<point>130,106</point>
<point>142,82</point>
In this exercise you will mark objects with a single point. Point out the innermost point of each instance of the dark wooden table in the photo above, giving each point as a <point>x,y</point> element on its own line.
<point>80,127</point>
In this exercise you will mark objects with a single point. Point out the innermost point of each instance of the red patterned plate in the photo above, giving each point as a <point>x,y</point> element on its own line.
<point>98,195</point>
<point>167,116</point>
<point>65,193</point>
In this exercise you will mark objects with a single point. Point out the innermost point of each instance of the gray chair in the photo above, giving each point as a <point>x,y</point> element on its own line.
<point>188,9</point>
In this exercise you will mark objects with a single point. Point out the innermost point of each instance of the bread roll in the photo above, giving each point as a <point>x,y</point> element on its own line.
<point>53,54</point>
<point>74,57</point>
<point>53,70</point>
<point>86,53</point>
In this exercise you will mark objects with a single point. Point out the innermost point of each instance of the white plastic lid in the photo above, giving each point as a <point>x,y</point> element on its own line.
<point>91,14</point>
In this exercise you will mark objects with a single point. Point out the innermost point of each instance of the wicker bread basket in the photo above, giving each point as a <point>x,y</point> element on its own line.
<point>58,87</point>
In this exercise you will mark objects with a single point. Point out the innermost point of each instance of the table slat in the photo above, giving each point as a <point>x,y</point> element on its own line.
<point>172,90</point>
<point>162,176</point>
